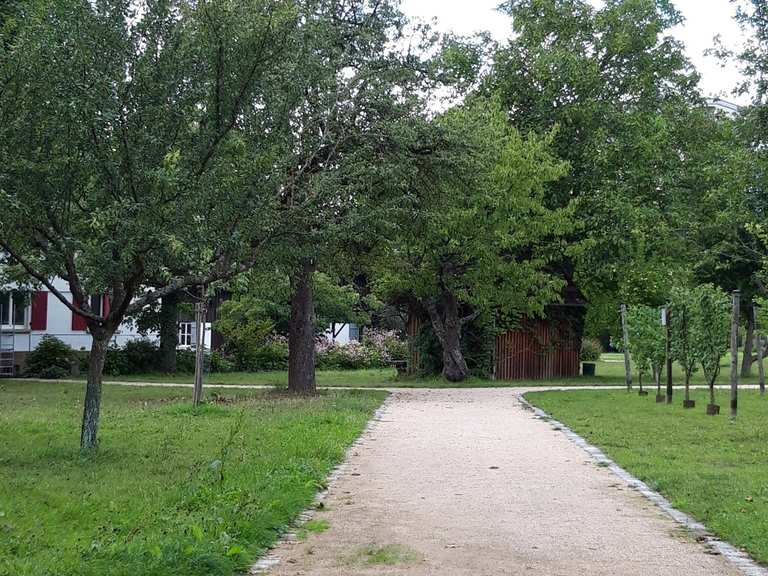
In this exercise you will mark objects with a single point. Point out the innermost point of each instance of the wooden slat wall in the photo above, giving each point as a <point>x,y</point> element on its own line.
<point>536,352</point>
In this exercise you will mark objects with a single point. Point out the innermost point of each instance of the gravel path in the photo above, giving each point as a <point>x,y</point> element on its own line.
<point>468,482</point>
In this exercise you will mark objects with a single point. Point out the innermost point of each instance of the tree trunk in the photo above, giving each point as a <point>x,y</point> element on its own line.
<point>687,385</point>
<point>447,326</point>
<point>169,332</point>
<point>92,406</point>
<point>301,338</point>
<point>747,359</point>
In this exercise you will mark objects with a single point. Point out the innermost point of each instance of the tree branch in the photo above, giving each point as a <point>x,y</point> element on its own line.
<point>80,310</point>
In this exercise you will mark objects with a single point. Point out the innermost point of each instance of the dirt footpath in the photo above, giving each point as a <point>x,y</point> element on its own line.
<point>468,482</point>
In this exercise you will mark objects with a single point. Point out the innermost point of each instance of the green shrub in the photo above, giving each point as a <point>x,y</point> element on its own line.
<point>591,349</point>
<point>185,361</point>
<point>271,356</point>
<point>51,358</point>
<point>220,363</point>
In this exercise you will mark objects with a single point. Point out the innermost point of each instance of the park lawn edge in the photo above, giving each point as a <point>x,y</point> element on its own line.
<point>255,549</point>
<point>718,544</point>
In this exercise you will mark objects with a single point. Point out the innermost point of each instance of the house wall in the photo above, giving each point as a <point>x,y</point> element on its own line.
<point>344,333</point>
<point>59,324</point>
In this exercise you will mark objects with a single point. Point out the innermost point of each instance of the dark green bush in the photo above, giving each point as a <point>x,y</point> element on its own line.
<point>185,361</point>
<point>221,364</point>
<point>52,358</point>
<point>136,357</point>
<point>271,356</point>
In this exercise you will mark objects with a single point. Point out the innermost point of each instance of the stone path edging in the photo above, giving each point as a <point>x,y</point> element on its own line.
<point>739,559</point>
<point>270,559</point>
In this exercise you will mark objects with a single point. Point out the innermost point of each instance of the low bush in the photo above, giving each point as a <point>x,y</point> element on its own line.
<point>387,345</point>
<point>330,355</point>
<point>220,363</point>
<point>51,358</point>
<point>591,349</point>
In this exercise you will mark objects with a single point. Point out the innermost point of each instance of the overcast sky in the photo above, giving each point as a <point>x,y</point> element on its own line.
<point>704,20</point>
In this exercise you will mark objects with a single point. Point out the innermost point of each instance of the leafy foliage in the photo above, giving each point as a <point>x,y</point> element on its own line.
<point>647,339</point>
<point>711,330</point>
<point>51,358</point>
<point>684,305</point>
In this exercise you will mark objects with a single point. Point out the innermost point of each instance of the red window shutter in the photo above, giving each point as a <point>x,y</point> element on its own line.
<point>39,316</point>
<point>105,305</point>
<point>78,323</point>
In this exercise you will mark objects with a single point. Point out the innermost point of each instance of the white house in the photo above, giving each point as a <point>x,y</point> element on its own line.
<point>25,318</point>
<point>342,333</point>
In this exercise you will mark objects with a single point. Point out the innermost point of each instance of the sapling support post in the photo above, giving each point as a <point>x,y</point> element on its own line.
<point>668,319</point>
<point>736,299</point>
<point>627,359</point>
<point>760,351</point>
<point>197,395</point>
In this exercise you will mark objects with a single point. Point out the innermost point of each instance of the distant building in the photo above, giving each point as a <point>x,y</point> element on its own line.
<point>724,106</point>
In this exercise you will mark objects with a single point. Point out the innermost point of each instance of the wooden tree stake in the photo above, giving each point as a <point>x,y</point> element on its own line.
<point>669,355</point>
<point>760,352</point>
<point>197,396</point>
<point>735,353</point>
<point>627,359</point>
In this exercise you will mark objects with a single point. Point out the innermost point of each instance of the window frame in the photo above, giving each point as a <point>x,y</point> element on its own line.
<point>11,325</point>
<point>186,335</point>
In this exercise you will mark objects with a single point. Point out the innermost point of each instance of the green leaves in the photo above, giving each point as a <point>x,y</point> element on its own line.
<point>646,337</point>
<point>481,229</point>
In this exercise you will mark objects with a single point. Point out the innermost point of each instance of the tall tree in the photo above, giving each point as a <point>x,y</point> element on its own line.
<point>480,237</point>
<point>347,104</point>
<point>614,81</point>
<point>122,157</point>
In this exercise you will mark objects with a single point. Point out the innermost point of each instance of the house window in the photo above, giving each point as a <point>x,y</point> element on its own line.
<point>96,304</point>
<point>13,309</point>
<point>186,334</point>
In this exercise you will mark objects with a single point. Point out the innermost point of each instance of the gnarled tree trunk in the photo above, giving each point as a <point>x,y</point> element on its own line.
<point>446,322</point>
<point>169,332</point>
<point>92,406</point>
<point>301,337</point>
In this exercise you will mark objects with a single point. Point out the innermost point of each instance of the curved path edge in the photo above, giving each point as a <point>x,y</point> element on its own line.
<point>741,560</point>
<point>269,559</point>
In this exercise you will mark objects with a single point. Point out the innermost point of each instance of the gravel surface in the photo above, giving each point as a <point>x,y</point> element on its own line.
<point>468,482</point>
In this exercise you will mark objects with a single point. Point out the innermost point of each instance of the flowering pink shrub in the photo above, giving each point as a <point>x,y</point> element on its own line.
<point>378,350</point>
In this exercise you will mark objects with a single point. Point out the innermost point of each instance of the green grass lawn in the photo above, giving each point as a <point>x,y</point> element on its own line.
<point>610,371</point>
<point>172,490</point>
<point>713,469</point>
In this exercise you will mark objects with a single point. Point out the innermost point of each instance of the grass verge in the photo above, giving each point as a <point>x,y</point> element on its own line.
<point>709,467</point>
<point>173,490</point>
<point>610,372</point>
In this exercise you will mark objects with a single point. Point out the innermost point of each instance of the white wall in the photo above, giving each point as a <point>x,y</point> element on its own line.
<point>59,324</point>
